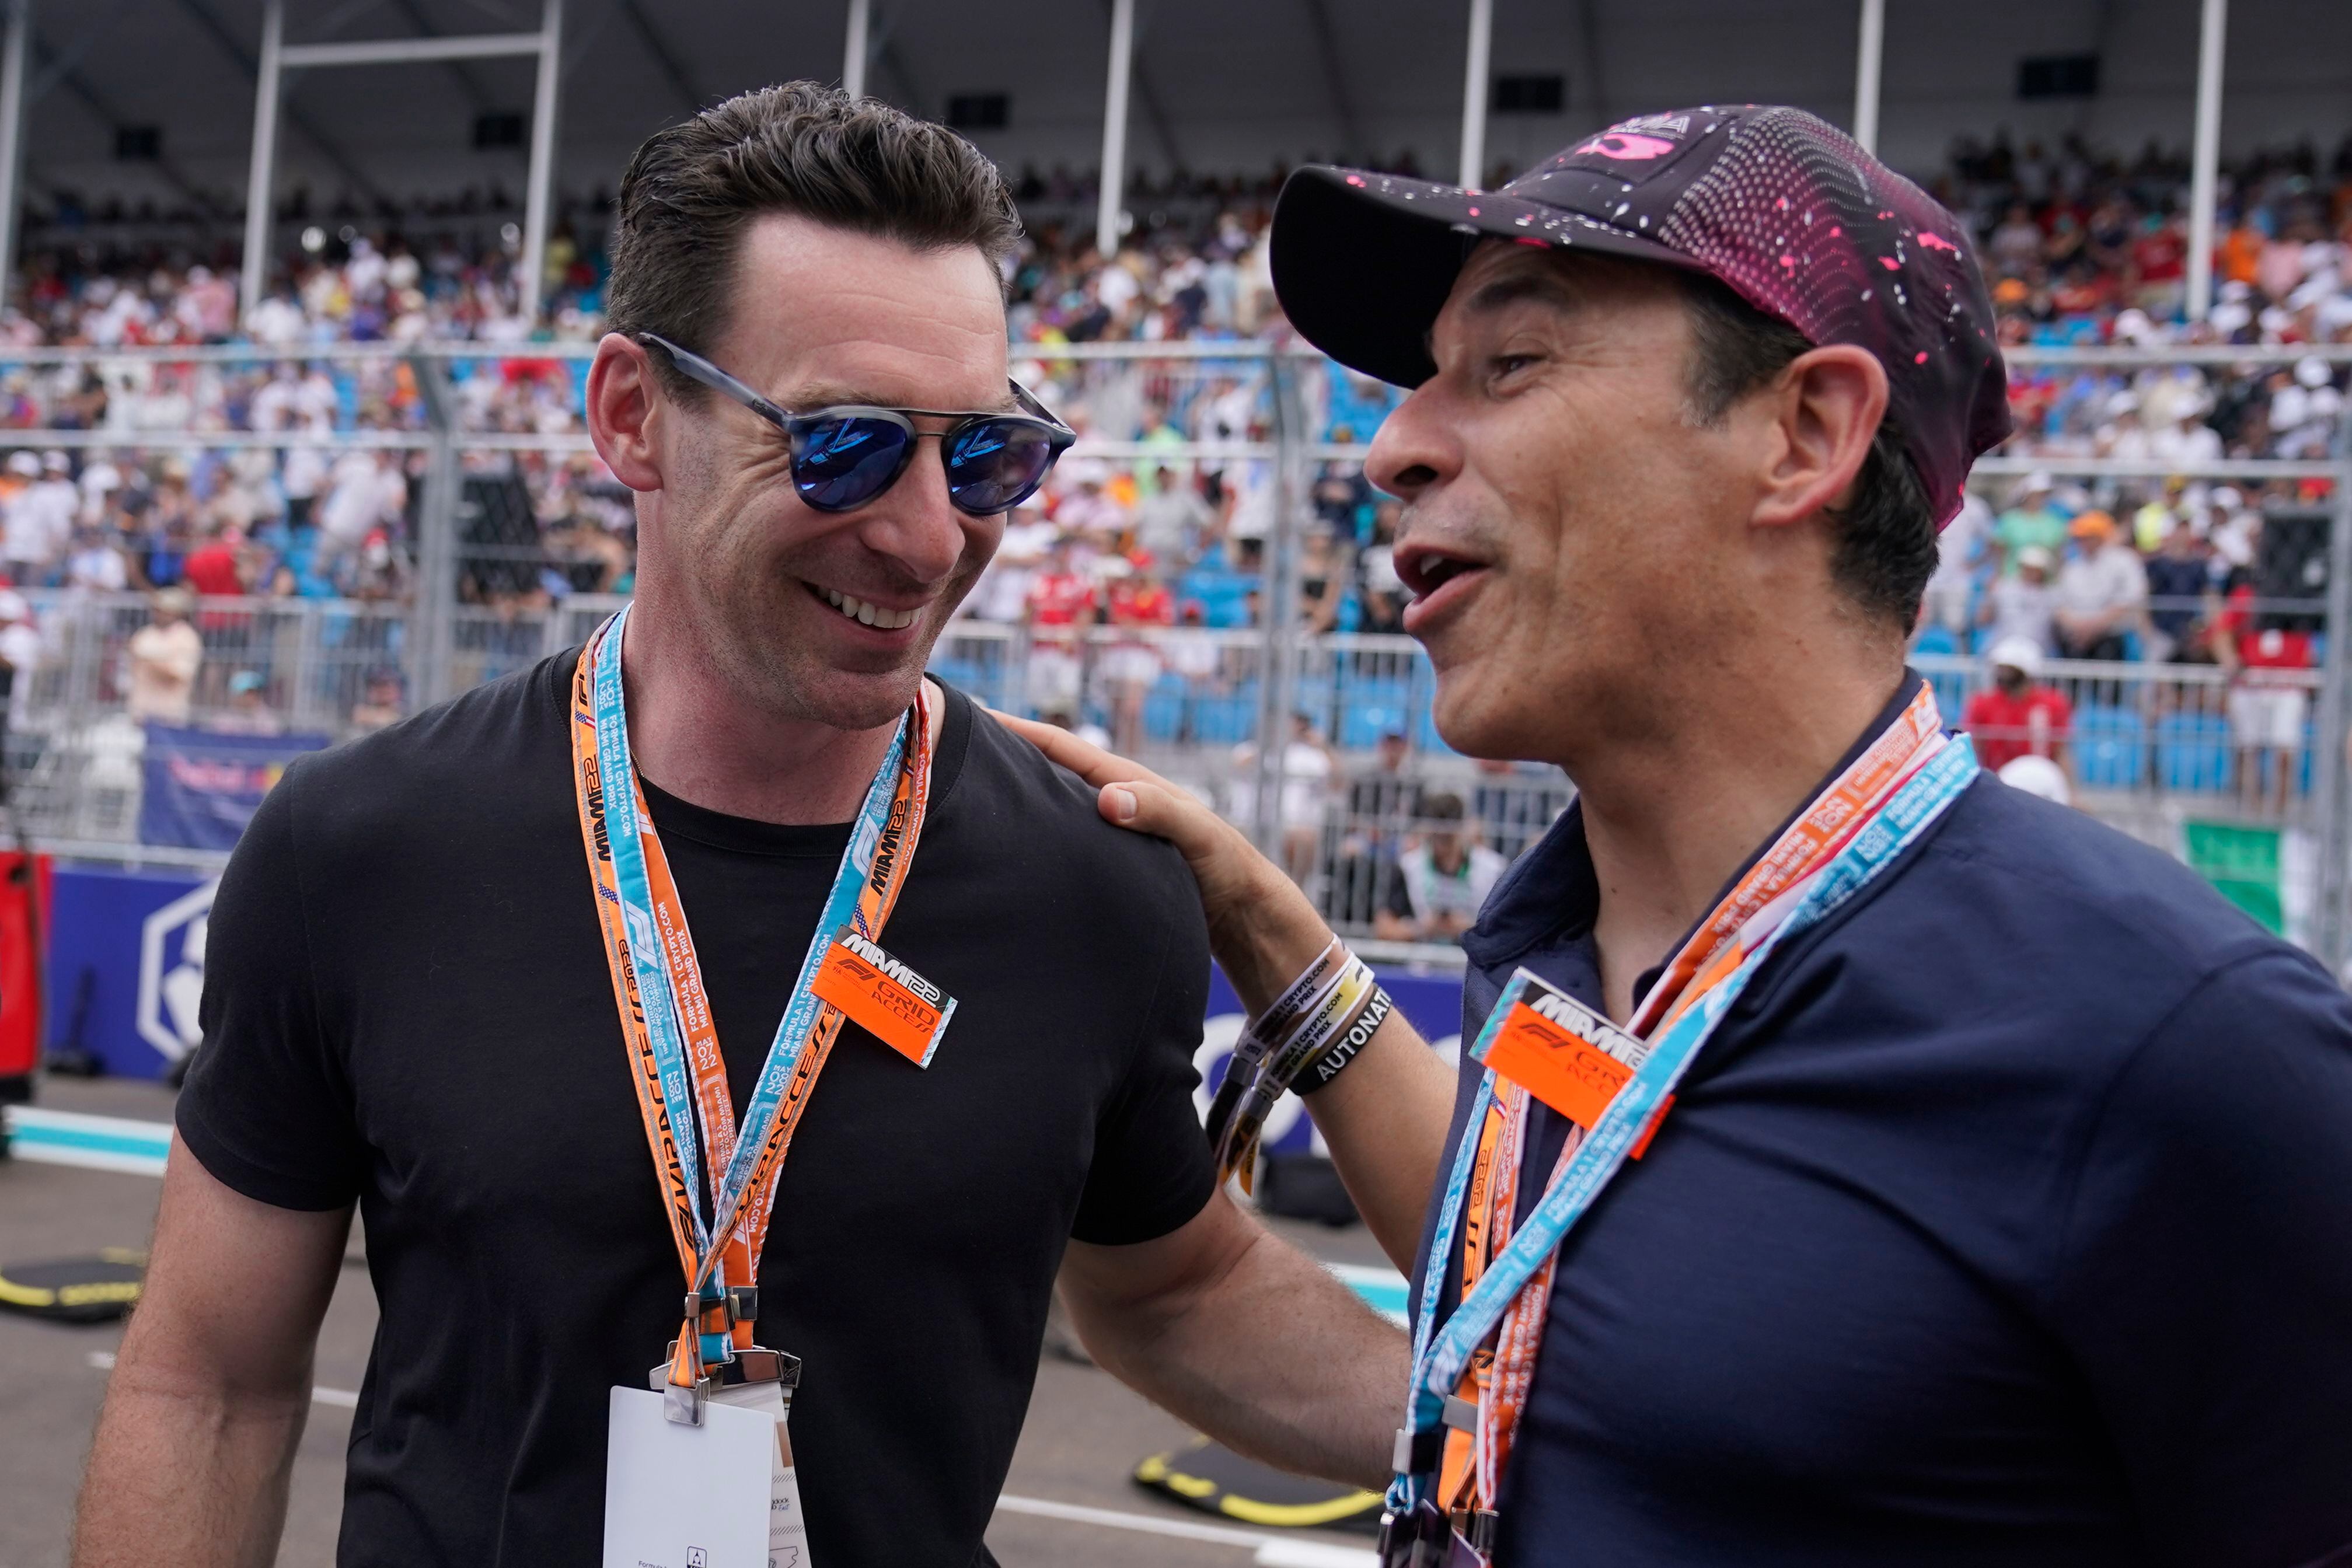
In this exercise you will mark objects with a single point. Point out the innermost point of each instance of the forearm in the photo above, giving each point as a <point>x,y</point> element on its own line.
<point>1385,1119</point>
<point>187,1475</point>
<point>208,1398</point>
<point>1274,1358</point>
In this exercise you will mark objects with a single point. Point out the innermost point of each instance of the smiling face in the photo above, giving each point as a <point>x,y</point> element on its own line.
<point>1568,530</point>
<point>827,616</point>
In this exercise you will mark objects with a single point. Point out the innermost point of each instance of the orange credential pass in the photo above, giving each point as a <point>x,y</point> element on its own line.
<point>1573,1077</point>
<point>885,997</point>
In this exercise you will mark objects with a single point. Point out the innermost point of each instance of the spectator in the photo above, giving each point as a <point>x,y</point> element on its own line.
<point>1061,604</point>
<point>20,655</point>
<point>2018,716</point>
<point>1441,883</point>
<point>1383,801</point>
<point>2178,576</point>
<point>1140,608</point>
<point>2030,521</point>
<point>30,536</point>
<point>379,705</point>
<point>2102,589</point>
<point>96,564</point>
<point>1515,802</point>
<point>1003,592</point>
<point>2268,709</point>
<point>2038,776</point>
<point>2023,606</point>
<point>164,655</point>
<point>249,711</point>
<point>1170,521</point>
<point>1305,791</point>
<point>215,569</point>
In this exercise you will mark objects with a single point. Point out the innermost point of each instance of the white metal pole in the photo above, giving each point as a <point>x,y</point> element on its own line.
<point>2208,157</point>
<point>1474,93</point>
<point>1868,58</point>
<point>11,131</point>
<point>260,207</point>
<point>852,54</point>
<point>540,199</point>
<point>1114,154</point>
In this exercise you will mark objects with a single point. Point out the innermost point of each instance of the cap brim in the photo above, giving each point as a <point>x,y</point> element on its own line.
<point>1363,262</point>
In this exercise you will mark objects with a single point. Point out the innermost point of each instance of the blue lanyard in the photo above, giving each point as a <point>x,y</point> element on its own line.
<point>1439,1356</point>
<point>650,956</point>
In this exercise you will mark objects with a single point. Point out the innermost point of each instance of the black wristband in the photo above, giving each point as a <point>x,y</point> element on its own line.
<point>1333,1059</point>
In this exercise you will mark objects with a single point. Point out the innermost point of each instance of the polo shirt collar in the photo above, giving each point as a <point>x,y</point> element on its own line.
<point>1551,894</point>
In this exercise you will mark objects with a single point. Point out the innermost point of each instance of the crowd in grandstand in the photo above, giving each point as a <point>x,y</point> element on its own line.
<point>1153,540</point>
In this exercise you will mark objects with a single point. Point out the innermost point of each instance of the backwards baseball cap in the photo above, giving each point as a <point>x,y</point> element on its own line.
<point>1781,207</point>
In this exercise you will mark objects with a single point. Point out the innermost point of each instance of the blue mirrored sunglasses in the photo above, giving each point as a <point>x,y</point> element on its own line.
<point>842,457</point>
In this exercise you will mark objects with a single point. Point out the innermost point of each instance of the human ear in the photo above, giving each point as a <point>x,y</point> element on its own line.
<point>624,412</point>
<point>1826,407</point>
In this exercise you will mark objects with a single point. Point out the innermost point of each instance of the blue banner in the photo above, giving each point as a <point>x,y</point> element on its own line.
<point>200,789</point>
<point>127,965</point>
<point>1431,1003</point>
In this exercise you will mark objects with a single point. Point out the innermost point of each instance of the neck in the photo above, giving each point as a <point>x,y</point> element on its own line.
<point>694,735</point>
<point>1670,817</point>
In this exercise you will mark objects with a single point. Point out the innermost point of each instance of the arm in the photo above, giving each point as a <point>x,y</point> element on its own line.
<point>1246,1338</point>
<point>197,1439</point>
<point>1385,1119</point>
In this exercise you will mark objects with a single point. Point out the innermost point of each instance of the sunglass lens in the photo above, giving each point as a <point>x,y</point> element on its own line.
<point>845,462</point>
<point>997,464</point>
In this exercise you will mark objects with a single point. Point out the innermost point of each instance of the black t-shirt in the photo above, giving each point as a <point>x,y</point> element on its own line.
<point>406,1003</point>
<point>1999,1223</point>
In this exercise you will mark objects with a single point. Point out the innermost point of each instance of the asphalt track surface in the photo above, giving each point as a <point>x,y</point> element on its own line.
<point>1067,1503</point>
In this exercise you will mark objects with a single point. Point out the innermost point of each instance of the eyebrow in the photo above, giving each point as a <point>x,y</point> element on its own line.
<point>1542,284</point>
<point>839,394</point>
<point>1537,283</point>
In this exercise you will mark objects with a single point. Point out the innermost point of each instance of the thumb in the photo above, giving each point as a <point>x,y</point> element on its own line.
<point>1164,811</point>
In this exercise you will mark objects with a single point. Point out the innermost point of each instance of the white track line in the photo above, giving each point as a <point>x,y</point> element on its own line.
<point>1272,1550</point>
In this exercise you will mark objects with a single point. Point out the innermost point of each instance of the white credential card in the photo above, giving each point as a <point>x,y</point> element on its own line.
<point>686,1497</point>
<point>787,1529</point>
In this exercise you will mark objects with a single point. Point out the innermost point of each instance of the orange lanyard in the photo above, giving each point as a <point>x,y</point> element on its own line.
<point>866,890</point>
<point>1499,1379</point>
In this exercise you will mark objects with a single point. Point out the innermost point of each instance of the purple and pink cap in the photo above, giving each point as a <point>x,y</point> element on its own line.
<point>1779,206</point>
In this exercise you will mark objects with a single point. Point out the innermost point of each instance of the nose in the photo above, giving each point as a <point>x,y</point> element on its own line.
<point>1415,449</point>
<point>914,524</point>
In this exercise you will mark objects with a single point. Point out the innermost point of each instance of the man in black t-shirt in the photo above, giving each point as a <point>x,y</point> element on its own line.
<point>408,1007</point>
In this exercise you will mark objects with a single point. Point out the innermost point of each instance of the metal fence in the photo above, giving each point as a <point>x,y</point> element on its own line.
<point>508,547</point>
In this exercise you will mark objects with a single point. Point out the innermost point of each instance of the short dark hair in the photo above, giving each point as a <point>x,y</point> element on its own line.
<point>1885,548</point>
<point>804,149</point>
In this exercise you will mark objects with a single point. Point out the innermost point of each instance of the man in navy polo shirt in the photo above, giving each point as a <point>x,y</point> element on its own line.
<point>1998,1218</point>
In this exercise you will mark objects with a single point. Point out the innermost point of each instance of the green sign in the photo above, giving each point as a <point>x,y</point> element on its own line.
<point>2242,863</point>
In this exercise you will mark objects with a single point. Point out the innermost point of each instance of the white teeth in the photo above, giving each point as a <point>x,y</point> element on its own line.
<point>866,614</point>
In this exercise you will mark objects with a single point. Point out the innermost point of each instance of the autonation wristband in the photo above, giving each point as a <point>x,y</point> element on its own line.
<point>1472,1372</point>
<point>1311,1032</point>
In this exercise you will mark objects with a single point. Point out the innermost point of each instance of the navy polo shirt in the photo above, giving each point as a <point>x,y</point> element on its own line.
<point>2006,1219</point>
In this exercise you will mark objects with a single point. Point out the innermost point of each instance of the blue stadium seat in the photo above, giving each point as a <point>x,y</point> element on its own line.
<point>1226,719</point>
<point>1935,639</point>
<point>1371,709</point>
<point>2192,752</point>
<point>2110,747</point>
<point>1163,707</point>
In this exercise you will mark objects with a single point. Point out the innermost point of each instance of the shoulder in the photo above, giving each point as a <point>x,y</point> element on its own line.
<point>485,756</point>
<point>2037,904</point>
<point>1030,814</point>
